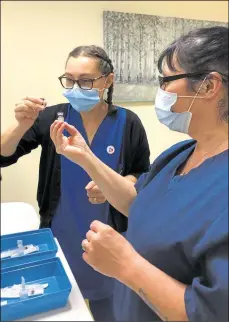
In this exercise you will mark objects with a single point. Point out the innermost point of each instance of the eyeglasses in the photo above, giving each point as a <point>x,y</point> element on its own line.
<point>166,79</point>
<point>85,84</point>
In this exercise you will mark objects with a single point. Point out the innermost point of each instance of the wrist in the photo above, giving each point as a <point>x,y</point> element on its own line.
<point>88,160</point>
<point>10,139</point>
<point>20,129</point>
<point>132,271</point>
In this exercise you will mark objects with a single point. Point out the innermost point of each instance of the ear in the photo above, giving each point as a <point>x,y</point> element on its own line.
<point>213,85</point>
<point>109,80</point>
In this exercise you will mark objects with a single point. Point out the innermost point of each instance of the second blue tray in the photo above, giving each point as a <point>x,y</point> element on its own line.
<point>49,271</point>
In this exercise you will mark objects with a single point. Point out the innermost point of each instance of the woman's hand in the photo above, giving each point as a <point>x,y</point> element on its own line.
<point>107,251</point>
<point>73,147</point>
<point>27,110</point>
<point>95,195</point>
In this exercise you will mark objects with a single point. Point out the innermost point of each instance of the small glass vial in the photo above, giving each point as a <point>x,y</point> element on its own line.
<point>23,292</point>
<point>20,251</point>
<point>60,116</point>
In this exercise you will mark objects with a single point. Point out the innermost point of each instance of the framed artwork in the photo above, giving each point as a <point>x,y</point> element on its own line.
<point>134,42</point>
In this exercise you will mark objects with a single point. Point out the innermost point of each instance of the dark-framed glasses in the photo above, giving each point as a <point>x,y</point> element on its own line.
<point>166,79</point>
<point>84,83</point>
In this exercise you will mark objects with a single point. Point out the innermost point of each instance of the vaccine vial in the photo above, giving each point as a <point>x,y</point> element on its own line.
<point>20,251</point>
<point>60,116</point>
<point>23,292</point>
<point>19,243</point>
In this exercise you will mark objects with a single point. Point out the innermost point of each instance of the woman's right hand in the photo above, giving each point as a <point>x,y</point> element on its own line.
<point>73,147</point>
<point>27,110</point>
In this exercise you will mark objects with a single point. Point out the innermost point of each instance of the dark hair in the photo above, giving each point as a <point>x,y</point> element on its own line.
<point>105,63</point>
<point>201,50</point>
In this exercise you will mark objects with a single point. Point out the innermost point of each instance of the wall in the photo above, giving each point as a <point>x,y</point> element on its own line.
<point>36,38</point>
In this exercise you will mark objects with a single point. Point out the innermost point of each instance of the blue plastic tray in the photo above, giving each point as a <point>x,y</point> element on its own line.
<point>41,237</point>
<point>49,271</point>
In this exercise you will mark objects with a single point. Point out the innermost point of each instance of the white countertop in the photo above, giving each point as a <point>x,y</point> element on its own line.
<point>76,309</point>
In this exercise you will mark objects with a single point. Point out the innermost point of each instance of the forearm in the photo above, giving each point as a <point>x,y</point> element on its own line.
<point>119,191</point>
<point>163,294</point>
<point>10,139</point>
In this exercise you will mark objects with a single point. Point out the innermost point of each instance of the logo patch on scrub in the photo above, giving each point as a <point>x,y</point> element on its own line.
<point>110,149</point>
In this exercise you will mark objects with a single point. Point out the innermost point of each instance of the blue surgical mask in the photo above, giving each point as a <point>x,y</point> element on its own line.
<point>174,121</point>
<point>82,100</point>
<point>179,122</point>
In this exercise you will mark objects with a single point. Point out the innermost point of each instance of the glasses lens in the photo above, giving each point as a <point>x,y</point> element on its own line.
<point>85,84</point>
<point>67,82</point>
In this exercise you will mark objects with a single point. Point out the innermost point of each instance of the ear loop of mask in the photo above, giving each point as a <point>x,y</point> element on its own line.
<point>194,97</point>
<point>197,94</point>
<point>100,90</point>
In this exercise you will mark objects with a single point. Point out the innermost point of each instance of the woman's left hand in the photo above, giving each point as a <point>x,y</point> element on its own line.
<point>95,195</point>
<point>107,251</point>
<point>73,147</point>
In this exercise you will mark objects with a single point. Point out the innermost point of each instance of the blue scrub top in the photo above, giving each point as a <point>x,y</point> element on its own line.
<point>75,213</point>
<point>180,225</point>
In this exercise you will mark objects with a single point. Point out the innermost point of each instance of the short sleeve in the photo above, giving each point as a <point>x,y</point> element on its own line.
<point>140,183</point>
<point>141,153</point>
<point>135,151</point>
<point>207,298</point>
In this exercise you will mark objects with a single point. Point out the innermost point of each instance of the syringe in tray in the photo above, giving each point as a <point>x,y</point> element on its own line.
<point>23,290</point>
<point>20,250</point>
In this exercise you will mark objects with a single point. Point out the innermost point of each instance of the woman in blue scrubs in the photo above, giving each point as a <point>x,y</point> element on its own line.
<point>173,264</point>
<point>88,77</point>
<point>68,198</point>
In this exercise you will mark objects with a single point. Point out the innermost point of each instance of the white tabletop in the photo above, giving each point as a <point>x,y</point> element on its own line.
<point>76,309</point>
<point>17,217</point>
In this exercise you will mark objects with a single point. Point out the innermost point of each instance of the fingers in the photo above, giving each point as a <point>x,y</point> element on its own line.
<point>53,130</point>
<point>25,111</point>
<point>85,245</point>
<point>52,126</point>
<point>94,194</point>
<point>25,115</point>
<point>71,129</point>
<point>90,185</point>
<point>86,242</point>
<point>56,125</point>
<point>98,226</point>
<point>97,201</point>
<point>29,106</point>
<point>90,235</point>
<point>85,258</point>
<point>40,101</point>
<point>59,134</point>
<point>56,131</point>
<point>93,189</point>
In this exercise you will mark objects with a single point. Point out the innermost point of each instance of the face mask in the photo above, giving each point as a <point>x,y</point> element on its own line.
<point>82,100</point>
<point>179,122</point>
